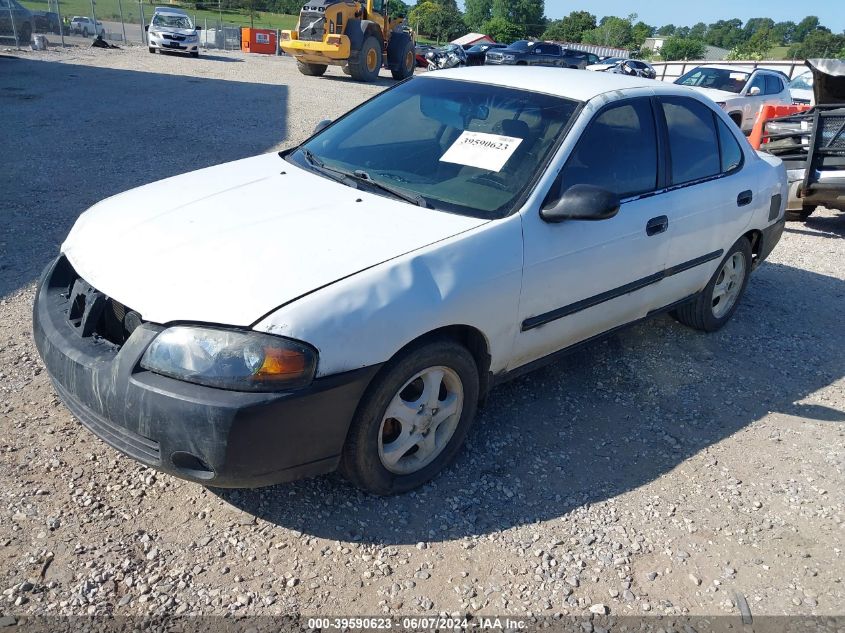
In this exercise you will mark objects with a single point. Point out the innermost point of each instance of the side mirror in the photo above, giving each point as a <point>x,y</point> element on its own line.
<point>198,28</point>
<point>147,27</point>
<point>582,202</point>
<point>322,125</point>
<point>754,91</point>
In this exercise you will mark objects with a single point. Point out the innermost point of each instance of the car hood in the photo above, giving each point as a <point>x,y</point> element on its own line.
<point>717,95</point>
<point>231,243</point>
<point>173,30</point>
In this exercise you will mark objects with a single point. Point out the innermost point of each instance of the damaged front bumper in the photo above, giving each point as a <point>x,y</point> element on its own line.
<point>211,436</point>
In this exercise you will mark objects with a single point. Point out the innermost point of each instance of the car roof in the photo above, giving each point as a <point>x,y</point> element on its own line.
<point>742,69</point>
<point>581,85</point>
<point>170,10</point>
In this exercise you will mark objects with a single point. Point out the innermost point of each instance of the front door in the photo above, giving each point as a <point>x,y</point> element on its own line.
<point>582,278</point>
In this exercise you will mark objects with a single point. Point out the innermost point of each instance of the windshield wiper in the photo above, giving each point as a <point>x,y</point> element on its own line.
<point>335,174</point>
<point>413,198</point>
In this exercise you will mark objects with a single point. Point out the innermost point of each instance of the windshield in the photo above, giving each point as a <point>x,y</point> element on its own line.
<point>716,79</point>
<point>173,21</point>
<point>804,81</point>
<point>464,147</point>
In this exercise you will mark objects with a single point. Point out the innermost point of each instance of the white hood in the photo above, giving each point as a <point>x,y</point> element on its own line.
<point>719,96</point>
<point>230,243</point>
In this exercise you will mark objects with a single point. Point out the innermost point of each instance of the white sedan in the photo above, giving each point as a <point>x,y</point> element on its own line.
<point>740,91</point>
<point>349,302</point>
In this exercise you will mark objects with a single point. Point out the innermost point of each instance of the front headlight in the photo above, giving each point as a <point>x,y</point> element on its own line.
<point>231,359</point>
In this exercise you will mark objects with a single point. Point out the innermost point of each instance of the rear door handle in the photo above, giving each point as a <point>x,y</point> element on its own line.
<point>657,225</point>
<point>744,198</point>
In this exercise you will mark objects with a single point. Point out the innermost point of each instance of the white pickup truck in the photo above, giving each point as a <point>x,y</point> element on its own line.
<point>85,26</point>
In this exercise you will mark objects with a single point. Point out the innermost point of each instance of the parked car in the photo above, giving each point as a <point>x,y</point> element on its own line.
<point>448,56</point>
<point>811,143</point>
<point>525,53</point>
<point>173,30</point>
<point>336,305</point>
<point>46,22</point>
<point>606,62</point>
<point>633,67</point>
<point>22,27</point>
<point>801,89</point>
<point>740,91</point>
<point>476,53</point>
<point>420,51</point>
<point>80,25</point>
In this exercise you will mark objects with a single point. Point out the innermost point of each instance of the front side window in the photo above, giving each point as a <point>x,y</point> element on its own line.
<point>465,147</point>
<point>758,82</point>
<point>692,139</point>
<point>617,152</point>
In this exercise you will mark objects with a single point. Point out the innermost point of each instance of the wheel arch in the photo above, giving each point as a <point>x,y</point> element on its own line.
<point>469,337</point>
<point>755,238</point>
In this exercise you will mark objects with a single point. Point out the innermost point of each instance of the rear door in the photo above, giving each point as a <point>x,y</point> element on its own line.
<point>710,199</point>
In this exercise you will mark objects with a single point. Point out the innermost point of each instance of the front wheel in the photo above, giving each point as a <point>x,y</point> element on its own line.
<point>152,50</point>
<point>403,55</point>
<point>413,419</point>
<point>312,70</point>
<point>367,63</point>
<point>716,304</point>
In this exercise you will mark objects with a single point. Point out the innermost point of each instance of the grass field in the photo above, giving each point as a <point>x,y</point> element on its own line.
<point>109,10</point>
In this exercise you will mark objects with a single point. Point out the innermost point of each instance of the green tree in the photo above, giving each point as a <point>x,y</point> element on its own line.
<point>676,48</point>
<point>819,43</point>
<point>502,30</point>
<point>639,32</point>
<point>756,47</point>
<point>805,27</point>
<point>571,28</point>
<point>726,33</point>
<point>396,8</point>
<point>477,12</point>
<point>754,25</point>
<point>784,32</point>
<point>698,31</point>
<point>612,31</point>
<point>438,21</point>
<point>528,14</point>
<point>667,29</point>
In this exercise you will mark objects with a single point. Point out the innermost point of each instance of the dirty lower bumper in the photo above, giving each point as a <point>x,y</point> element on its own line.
<point>212,436</point>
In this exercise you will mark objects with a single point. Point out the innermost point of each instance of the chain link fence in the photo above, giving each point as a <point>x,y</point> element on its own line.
<point>37,23</point>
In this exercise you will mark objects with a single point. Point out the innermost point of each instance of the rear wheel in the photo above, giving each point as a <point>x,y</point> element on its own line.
<point>195,54</point>
<point>366,64</point>
<point>85,32</point>
<point>401,57</point>
<point>413,419</point>
<point>716,304</point>
<point>312,70</point>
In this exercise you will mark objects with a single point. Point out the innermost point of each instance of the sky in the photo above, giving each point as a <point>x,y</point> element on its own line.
<point>687,12</point>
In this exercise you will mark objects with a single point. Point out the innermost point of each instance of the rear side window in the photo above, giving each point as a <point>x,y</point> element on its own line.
<point>692,140</point>
<point>618,152</point>
<point>731,151</point>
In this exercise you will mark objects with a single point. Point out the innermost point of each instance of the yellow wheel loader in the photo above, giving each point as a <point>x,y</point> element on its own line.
<point>356,36</point>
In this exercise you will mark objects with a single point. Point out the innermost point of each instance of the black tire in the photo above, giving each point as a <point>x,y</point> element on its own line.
<point>800,216</point>
<point>400,56</point>
<point>312,70</point>
<point>195,55</point>
<point>152,50</point>
<point>736,118</point>
<point>85,32</point>
<point>345,70</point>
<point>370,52</point>
<point>360,462</point>
<point>698,313</point>
<point>25,35</point>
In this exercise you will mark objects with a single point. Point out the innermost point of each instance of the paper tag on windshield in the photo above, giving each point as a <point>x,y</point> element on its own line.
<point>485,151</point>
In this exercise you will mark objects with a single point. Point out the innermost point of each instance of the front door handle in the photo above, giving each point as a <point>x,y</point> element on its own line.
<point>744,198</point>
<point>657,225</point>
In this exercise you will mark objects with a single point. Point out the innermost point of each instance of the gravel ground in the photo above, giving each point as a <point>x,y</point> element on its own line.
<point>660,472</point>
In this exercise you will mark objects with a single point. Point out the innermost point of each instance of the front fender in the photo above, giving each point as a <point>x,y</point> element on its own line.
<point>473,279</point>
